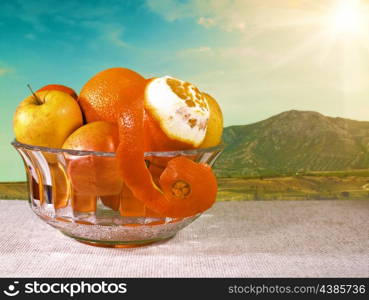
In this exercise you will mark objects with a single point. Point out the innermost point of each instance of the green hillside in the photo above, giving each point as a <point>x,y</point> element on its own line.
<point>294,142</point>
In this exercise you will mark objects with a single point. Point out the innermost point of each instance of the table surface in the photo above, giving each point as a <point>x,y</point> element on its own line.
<point>232,239</point>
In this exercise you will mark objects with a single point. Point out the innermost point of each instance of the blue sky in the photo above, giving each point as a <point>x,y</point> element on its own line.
<point>258,58</point>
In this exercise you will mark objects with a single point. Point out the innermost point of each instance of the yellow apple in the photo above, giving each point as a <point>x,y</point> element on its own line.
<point>46,119</point>
<point>214,130</point>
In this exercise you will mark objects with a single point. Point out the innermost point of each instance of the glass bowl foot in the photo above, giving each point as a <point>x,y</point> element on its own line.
<point>119,244</point>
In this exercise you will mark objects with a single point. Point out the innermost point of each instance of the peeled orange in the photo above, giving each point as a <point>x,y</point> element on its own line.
<point>178,109</point>
<point>214,131</point>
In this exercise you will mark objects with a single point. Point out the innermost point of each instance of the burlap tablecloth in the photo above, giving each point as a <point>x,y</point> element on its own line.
<point>233,239</point>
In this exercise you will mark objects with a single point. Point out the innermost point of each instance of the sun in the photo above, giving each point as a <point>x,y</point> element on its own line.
<point>346,19</point>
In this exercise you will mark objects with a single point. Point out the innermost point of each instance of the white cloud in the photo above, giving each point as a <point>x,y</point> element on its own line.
<point>242,52</point>
<point>206,22</point>
<point>236,54</point>
<point>226,14</point>
<point>194,51</point>
<point>238,15</point>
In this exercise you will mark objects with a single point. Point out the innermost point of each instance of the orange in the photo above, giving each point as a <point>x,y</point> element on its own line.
<point>156,139</point>
<point>101,97</point>
<point>59,87</point>
<point>177,114</point>
<point>91,174</point>
<point>214,131</point>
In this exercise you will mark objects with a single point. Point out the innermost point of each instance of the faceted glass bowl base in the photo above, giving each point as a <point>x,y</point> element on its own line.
<point>114,231</point>
<point>119,244</point>
<point>76,192</point>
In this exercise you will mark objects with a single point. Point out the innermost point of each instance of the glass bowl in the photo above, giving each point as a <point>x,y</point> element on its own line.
<point>80,194</point>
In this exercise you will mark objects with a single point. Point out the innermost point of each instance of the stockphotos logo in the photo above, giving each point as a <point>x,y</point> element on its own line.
<point>70,289</point>
<point>12,291</point>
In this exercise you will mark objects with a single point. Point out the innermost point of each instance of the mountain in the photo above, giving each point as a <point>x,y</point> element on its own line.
<point>294,141</point>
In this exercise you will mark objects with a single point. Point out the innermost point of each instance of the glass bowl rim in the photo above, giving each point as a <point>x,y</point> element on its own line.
<point>197,151</point>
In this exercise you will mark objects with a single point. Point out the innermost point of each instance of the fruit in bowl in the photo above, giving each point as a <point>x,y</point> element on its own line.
<point>102,177</point>
<point>46,118</point>
<point>142,158</point>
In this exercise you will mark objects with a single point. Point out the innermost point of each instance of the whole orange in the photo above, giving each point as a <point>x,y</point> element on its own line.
<point>101,97</point>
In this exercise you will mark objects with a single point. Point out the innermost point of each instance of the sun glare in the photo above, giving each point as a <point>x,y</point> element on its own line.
<point>338,39</point>
<point>347,19</point>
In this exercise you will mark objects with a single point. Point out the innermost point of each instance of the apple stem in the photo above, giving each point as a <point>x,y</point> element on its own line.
<point>38,100</point>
